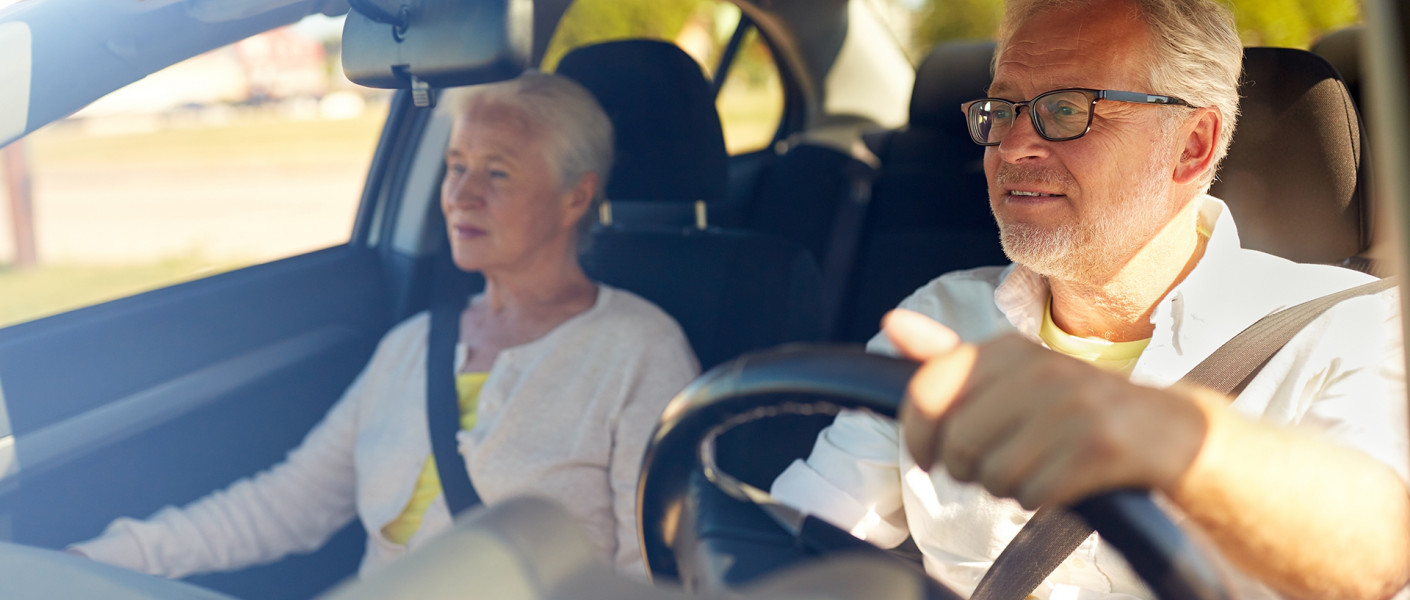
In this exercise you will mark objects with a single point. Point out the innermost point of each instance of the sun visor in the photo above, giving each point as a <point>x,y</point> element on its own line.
<point>424,44</point>
<point>15,67</point>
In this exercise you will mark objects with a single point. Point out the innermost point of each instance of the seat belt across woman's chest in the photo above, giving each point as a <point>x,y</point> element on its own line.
<point>443,408</point>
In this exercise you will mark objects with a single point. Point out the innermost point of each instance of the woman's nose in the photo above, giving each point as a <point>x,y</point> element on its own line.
<point>467,189</point>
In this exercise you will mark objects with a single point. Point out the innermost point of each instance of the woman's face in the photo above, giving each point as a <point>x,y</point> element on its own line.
<point>506,210</point>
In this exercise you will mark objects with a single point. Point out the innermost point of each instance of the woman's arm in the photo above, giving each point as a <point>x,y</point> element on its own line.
<point>294,506</point>
<point>659,374</point>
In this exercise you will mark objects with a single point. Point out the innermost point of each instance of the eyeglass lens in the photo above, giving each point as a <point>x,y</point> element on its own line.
<point>1056,115</point>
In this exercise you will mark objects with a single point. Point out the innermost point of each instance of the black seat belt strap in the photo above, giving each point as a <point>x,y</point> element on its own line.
<point>443,409</point>
<point>1052,534</point>
<point>849,218</point>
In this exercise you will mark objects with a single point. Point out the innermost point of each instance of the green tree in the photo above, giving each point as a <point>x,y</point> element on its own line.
<point>944,20</point>
<point>1293,23</point>
<point>591,21</point>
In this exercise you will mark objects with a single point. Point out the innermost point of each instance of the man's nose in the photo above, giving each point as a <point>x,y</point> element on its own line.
<point>1022,140</point>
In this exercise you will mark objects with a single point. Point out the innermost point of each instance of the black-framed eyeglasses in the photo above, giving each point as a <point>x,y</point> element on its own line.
<point>1057,116</point>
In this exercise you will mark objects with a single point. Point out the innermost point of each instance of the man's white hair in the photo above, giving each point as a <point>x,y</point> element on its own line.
<point>575,131</point>
<point>1197,55</point>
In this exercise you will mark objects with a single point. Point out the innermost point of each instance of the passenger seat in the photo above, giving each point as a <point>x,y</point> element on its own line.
<point>670,151</point>
<point>732,291</point>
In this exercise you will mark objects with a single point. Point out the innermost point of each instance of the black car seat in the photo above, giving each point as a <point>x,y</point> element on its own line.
<point>731,291</point>
<point>1293,178</point>
<point>670,151</point>
<point>929,210</point>
<point>816,192</point>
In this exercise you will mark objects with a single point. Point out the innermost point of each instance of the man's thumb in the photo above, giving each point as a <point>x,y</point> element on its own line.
<point>917,336</point>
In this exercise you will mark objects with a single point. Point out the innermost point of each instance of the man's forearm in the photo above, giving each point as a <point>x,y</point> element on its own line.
<point>1308,517</point>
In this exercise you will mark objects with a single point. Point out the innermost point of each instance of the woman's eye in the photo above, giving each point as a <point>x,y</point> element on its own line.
<point>455,169</point>
<point>498,174</point>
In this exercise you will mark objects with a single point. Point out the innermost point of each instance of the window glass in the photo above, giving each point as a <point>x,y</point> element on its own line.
<point>243,155</point>
<point>751,99</point>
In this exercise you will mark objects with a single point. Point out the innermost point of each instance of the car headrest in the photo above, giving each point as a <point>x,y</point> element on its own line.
<point>670,146</point>
<point>439,44</point>
<point>1291,176</point>
<point>1342,48</point>
<point>952,74</point>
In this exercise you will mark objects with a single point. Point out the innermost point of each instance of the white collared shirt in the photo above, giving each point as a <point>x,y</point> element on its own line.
<point>1343,376</point>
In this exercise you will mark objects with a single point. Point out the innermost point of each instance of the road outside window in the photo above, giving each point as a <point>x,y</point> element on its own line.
<point>240,156</point>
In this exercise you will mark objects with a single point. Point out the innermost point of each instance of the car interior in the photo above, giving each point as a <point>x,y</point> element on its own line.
<point>869,187</point>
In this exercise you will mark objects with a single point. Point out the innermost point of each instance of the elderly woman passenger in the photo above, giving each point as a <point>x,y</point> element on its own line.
<point>561,379</point>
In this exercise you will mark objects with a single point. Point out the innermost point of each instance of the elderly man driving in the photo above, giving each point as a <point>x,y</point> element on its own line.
<point>1055,378</point>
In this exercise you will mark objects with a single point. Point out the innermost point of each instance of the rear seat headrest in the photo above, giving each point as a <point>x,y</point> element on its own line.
<point>670,146</point>
<point>1290,178</point>
<point>952,74</point>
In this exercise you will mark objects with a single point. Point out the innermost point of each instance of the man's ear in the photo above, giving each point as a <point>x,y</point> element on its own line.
<point>1201,138</point>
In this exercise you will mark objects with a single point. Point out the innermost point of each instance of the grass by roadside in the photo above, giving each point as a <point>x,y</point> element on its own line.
<point>50,289</point>
<point>241,187</point>
<point>248,138</point>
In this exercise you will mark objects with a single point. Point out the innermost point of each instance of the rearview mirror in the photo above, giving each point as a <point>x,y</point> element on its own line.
<point>423,44</point>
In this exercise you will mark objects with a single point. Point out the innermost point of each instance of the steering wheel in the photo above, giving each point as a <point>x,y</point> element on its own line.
<point>699,524</point>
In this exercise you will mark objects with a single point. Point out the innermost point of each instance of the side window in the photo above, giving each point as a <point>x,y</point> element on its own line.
<point>751,99</point>
<point>243,155</point>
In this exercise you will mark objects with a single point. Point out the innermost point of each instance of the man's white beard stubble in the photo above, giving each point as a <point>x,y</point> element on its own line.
<point>1092,249</point>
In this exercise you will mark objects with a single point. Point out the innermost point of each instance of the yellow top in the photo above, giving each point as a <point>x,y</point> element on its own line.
<point>428,485</point>
<point>1118,357</point>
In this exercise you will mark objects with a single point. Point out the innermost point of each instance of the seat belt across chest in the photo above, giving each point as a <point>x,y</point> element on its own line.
<point>1052,534</point>
<point>443,409</point>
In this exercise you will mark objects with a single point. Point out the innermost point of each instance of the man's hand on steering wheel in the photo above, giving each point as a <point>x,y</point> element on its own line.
<point>1034,425</point>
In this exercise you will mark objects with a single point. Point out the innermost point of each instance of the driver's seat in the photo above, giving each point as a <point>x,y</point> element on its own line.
<point>1294,178</point>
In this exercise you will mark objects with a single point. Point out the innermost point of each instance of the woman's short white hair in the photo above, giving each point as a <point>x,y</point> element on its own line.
<point>575,131</point>
<point>1197,54</point>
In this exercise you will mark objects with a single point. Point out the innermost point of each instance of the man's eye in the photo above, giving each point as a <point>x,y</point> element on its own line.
<point>498,174</point>
<point>455,169</point>
<point>1063,111</point>
<point>1001,114</point>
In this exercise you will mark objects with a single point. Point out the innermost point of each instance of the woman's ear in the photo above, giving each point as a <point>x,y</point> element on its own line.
<point>1201,138</point>
<point>579,198</point>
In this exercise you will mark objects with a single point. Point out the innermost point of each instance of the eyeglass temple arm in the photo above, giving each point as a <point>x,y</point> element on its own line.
<point>1139,98</point>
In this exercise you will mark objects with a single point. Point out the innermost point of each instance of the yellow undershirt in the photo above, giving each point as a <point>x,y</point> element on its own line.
<point>428,485</point>
<point>1117,357</point>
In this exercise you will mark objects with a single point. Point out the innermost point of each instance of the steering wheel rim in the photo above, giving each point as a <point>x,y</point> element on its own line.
<point>1160,553</point>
